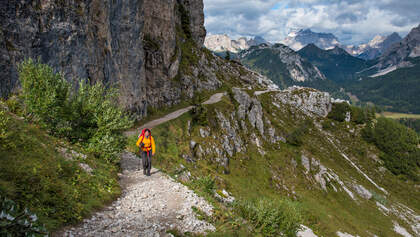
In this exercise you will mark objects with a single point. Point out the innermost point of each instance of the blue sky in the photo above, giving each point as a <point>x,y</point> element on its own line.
<point>352,21</point>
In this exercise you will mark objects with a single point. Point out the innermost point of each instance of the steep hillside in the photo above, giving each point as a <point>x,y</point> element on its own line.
<point>254,146</point>
<point>336,64</point>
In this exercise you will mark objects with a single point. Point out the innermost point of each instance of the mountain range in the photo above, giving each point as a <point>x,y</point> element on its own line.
<point>299,39</point>
<point>390,81</point>
<point>222,43</point>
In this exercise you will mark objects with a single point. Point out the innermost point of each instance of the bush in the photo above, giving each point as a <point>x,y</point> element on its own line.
<point>339,111</point>
<point>204,184</point>
<point>45,95</point>
<point>4,120</point>
<point>17,222</point>
<point>362,115</point>
<point>271,217</point>
<point>90,116</point>
<point>399,145</point>
<point>296,136</point>
<point>411,123</point>
<point>98,121</point>
<point>326,125</point>
<point>199,115</point>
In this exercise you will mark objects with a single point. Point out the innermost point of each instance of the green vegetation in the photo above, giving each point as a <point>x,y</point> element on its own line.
<point>396,91</point>
<point>411,123</point>
<point>59,161</point>
<point>91,116</point>
<point>296,136</point>
<point>358,115</point>
<point>399,146</point>
<point>271,217</point>
<point>35,174</point>
<point>336,64</point>
<point>185,20</point>
<point>339,111</point>
<point>17,222</point>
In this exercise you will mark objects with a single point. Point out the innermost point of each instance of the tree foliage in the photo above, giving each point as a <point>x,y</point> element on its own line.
<point>399,145</point>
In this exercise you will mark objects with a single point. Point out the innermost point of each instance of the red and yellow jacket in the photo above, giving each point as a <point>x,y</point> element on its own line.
<point>149,143</point>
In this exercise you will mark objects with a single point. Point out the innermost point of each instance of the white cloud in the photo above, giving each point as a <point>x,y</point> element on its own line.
<point>352,21</point>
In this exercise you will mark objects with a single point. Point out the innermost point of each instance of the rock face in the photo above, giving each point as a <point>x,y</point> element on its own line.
<point>308,100</point>
<point>129,43</point>
<point>397,54</point>
<point>374,48</point>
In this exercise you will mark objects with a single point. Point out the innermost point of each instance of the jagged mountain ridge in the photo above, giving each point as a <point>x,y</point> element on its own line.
<point>284,60</point>
<point>299,39</point>
<point>371,50</point>
<point>398,55</point>
<point>377,46</point>
<point>222,43</point>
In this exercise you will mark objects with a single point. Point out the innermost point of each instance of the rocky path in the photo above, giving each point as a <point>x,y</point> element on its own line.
<point>212,100</point>
<point>148,206</point>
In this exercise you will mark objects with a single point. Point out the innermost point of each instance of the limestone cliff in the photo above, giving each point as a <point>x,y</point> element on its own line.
<point>136,44</point>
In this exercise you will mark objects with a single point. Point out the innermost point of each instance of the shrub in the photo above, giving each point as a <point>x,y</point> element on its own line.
<point>45,95</point>
<point>17,222</point>
<point>199,113</point>
<point>411,123</point>
<point>271,217</point>
<point>296,136</point>
<point>339,111</point>
<point>98,121</point>
<point>90,116</point>
<point>204,184</point>
<point>326,125</point>
<point>362,115</point>
<point>4,120</point>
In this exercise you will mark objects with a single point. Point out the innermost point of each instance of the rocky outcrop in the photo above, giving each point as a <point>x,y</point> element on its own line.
<point>133,44</point>
<point>249,107</point>
<point>308,100</point>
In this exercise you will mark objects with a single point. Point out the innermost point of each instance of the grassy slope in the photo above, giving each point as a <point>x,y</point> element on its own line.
<point>253,176</point>
<point>34,174</point>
